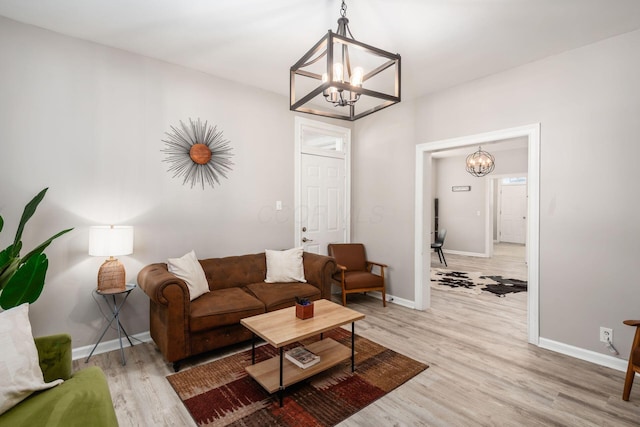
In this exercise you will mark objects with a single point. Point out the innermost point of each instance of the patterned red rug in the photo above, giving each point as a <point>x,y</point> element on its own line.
<point>220,393</point>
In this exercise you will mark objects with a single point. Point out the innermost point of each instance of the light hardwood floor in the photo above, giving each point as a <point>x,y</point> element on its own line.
<point>482,370</point>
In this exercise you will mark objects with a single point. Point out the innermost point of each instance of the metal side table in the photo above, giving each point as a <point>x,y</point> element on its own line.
<point>115,308</point>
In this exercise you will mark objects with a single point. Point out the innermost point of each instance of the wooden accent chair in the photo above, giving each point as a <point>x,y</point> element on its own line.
<point>634,359</point>
<point>354,273</point>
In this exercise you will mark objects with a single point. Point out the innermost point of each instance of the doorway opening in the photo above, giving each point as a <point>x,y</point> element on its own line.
<point>424,220</point>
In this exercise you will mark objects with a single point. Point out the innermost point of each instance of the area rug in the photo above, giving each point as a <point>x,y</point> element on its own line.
<point>220,393</point>
<point>471,282</point>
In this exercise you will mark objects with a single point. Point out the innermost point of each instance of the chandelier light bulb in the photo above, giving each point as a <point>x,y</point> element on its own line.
<point>338,72</point>
<point>356,78</point>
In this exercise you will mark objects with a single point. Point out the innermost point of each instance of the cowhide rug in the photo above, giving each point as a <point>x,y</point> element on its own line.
<point>475,283</point>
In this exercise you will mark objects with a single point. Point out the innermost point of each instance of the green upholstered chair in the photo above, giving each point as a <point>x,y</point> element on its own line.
<point>83,399</point>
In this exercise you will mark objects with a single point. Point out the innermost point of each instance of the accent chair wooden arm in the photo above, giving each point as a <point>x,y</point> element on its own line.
<point>370,265</point>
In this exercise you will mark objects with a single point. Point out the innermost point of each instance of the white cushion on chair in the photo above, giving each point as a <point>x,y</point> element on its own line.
<point>19,364</point>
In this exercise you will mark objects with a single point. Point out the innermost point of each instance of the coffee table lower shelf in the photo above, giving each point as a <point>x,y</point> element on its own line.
<point>267,373</point>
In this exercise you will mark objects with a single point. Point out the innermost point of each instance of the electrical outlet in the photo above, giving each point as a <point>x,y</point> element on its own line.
<point>606,334</point>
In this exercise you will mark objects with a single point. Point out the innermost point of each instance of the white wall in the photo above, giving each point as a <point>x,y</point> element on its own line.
<point>382,191</point>
<point>464,214</point>
<point>87,121</point>
<point>587,103</point>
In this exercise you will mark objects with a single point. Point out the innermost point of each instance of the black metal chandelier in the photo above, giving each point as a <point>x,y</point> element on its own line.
<point>343,78</point>
<point>480,163</point>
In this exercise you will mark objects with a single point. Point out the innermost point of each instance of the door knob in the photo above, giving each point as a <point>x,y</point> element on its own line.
<point>305,240</point>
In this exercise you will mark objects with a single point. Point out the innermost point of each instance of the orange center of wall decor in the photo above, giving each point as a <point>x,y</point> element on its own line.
<point>200,154</point>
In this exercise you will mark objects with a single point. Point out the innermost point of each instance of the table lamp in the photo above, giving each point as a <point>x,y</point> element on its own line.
<point>111,241</point>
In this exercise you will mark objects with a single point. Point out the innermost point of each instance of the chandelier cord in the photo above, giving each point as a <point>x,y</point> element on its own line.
<point>344,22</point>
<point>343,14</point>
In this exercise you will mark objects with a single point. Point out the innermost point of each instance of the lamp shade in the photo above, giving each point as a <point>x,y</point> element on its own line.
<point>110,240</point>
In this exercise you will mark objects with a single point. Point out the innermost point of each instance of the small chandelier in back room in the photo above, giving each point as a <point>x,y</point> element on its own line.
<point>480,163</point>
<point>343,78</point>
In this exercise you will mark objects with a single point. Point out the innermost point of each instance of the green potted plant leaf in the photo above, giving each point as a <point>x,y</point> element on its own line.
<point>22,278</point>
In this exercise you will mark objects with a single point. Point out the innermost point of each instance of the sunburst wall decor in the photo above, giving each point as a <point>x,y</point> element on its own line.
<point>197,152</point>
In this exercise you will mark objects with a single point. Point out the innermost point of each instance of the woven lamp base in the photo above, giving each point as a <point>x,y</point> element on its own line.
<point>111,277</point>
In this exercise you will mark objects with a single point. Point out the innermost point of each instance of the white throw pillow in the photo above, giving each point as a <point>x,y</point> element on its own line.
<point>189,269</point>
<point>284,266</point>
<point>19,367</point>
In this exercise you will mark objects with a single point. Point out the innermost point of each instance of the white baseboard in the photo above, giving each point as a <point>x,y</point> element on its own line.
<point>582,354</point>
<point>394,300</point>
<point>106,346</point>
<point>474,254</point>
<point>390,298</point>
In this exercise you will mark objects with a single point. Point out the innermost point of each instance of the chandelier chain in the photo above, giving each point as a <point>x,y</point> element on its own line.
<point>343,9</point>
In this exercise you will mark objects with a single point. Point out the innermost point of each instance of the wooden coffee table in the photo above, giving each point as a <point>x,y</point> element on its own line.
<point>282,327</point>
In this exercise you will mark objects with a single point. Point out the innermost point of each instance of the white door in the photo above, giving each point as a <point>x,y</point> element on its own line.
<point>322,210</point>
<point>322,185</point>
<point>513,214</point>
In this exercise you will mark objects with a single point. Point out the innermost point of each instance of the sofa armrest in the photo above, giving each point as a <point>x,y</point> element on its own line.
<point>318,270</point>
<point>154,279</point>
<point>54,354</point>
<point>169,310</point>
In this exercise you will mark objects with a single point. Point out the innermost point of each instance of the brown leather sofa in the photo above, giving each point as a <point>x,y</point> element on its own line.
<point>183,328</point>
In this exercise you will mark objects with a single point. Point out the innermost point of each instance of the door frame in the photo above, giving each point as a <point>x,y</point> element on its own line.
<point>422,254</point>
<point>302,123</point>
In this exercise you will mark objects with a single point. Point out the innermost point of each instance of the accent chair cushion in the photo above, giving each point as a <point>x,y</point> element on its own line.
<point>360,280</point>
<point>19,364</point>
<point>189,269</point>
<point>284,266</point>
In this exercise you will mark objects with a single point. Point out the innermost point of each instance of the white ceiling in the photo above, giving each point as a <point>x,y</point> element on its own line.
<point>442,42</point>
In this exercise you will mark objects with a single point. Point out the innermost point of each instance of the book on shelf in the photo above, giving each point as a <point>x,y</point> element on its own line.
<point>302,357</point>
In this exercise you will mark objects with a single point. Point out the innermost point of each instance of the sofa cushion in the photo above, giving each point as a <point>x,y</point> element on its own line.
<point>189,269</point>
<point>19,364</point>
<point>280,295</point>
<point>284,266</point>
<point>223,307</point>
